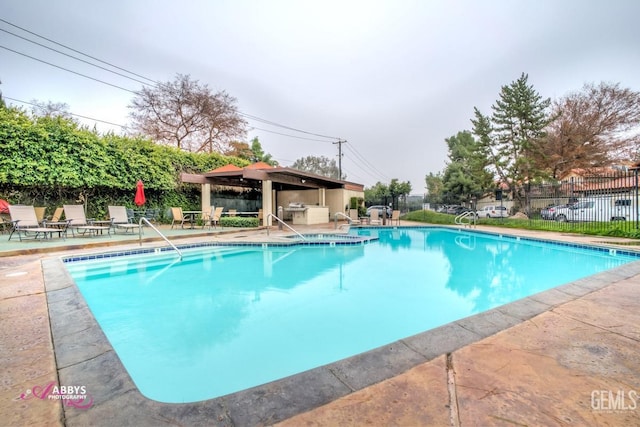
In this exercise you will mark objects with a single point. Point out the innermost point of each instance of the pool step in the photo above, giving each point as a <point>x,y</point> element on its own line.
<point>155,260</point>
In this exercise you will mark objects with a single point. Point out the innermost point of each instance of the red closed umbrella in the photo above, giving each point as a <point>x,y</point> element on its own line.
<point>140,199</point>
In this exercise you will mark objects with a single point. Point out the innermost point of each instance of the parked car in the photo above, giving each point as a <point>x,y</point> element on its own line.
<point>461,209</point>
<point>452,209</point>
<point>380,209</point>
<point>492,212</point>
<point>545,212</point>
<point>598,209</point>
<point>552,211</point>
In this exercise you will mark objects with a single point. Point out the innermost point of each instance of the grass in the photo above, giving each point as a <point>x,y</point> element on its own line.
<point>615,229</point>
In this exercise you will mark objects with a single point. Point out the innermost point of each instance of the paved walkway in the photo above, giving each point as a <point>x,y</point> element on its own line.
<point>568,356</point>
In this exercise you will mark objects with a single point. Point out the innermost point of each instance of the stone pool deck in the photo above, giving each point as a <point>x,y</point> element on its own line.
<point>567,356</point>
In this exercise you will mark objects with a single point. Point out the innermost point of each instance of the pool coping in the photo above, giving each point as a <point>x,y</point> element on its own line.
<point>85,357</point>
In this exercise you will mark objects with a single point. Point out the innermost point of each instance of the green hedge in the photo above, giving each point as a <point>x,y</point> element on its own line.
<point>239,221</point>
<point>48,161</point>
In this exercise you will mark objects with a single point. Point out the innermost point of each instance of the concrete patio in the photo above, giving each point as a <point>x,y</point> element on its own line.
<point>570,355</point>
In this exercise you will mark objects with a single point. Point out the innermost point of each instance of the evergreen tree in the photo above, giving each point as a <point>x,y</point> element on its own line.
<point>466,176</point>
<point>512,137</point>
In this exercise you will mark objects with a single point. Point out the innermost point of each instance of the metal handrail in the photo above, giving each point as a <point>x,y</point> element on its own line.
<point>143,219</point>
<point>465,215</point>
<point>335,218</point>
<point>270,215</point>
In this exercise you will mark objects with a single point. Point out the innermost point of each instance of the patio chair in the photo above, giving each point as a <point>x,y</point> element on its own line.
<point>153,214</point>
<point>78,222</point>
<point>353,217</point>
<point>395,216</point>
<point>214,217</point>
<point>120,219</point>
<point>25,221</point>
<point>232,212</point>
<point>179,217</point>
<point>374,217</point>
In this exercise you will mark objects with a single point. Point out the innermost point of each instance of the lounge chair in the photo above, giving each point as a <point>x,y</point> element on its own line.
<point>78,222</point>
<point>120,219</point>
<point>4,224</point>
<point>40,210</point>
<point>179,217</point>
<point>57,215</point>
<point>25,221</point>
<point>232,212</point>
<point>374,217</point>
<point>395,216</point>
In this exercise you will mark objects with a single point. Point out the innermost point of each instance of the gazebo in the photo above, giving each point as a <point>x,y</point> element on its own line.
<point>280,186</point>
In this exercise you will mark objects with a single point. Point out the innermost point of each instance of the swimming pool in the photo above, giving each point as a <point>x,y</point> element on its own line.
<point>228,318</point>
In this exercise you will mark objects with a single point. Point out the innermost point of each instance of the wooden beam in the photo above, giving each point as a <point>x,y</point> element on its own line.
<point>192,178</point>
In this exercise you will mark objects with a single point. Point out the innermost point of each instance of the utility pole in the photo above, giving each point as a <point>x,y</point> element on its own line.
<point>340,142</point>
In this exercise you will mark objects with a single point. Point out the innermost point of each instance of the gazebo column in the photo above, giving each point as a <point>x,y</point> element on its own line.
<point>267,201</point>
<point>206,197</point>
<point>322,197</point>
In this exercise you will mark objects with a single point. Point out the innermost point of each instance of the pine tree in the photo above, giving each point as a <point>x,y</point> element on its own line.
<point>512,136</point>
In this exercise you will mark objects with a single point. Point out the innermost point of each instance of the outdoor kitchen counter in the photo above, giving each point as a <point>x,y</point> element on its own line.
<point>308,215</point>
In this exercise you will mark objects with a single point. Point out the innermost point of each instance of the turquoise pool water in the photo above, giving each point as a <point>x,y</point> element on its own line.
<point>224,319</point>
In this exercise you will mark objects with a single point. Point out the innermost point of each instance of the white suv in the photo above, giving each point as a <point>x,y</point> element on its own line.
<point>492,212</point>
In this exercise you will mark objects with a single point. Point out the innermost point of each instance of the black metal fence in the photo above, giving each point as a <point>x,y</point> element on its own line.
<point>597,202</point>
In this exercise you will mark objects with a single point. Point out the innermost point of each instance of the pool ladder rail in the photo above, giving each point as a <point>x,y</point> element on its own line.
<point>146,221</point>
<point>465,220</point>
<point>341,214</point>
<point>282,223</point>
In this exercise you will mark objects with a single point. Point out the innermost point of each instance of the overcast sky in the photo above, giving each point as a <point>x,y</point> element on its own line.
<point>392,78</point>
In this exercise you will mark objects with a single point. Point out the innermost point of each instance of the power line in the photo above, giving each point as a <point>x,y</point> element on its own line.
<point>367,171</point>
<point>361,158</point>
<point>66,69</point>
<point>73,57</point>
<point>249,116</point>
<point>71,114</point>
<point>285,134</point>
<point>77,51</point>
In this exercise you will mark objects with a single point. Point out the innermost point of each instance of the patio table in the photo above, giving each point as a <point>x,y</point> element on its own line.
<point>192,216</point>
<point>62,226</point>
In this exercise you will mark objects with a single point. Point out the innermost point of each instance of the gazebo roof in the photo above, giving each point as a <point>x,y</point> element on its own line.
<point>226,168</point>
<point>259,165</point>
<point>284,178</point>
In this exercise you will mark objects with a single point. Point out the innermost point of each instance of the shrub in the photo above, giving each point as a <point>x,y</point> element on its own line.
<point>239,221</point>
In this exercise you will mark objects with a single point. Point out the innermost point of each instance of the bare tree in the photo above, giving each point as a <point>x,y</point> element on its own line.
<point>594,127</point>
<point>50,109</point>
<point>186,114</point>
<point>320,165</point>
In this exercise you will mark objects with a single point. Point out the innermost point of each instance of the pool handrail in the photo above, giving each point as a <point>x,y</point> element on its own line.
<point>335,218</point>
<point>459,219</point>
<point>145,220</point>
<point>270,215</point>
